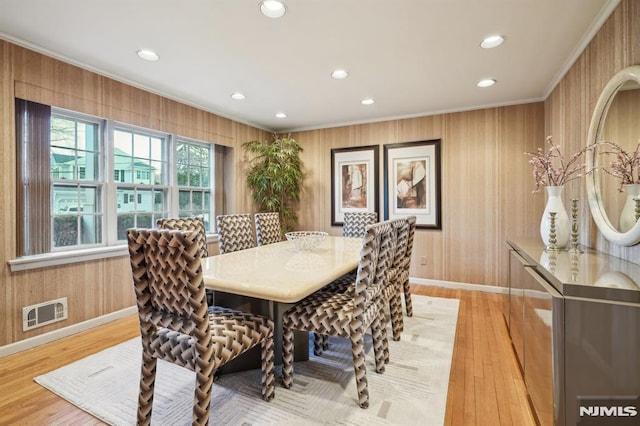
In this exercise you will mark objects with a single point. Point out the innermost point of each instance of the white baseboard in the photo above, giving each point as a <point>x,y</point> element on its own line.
<point>35,341</point>
<point>461,286</point>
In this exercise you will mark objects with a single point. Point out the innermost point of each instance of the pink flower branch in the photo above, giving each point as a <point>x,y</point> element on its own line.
<point>551,169</point>
<point>625,166</point>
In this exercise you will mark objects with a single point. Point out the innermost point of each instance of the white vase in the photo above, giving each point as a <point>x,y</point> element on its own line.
<point>562,224</point>
<point>628,213</point>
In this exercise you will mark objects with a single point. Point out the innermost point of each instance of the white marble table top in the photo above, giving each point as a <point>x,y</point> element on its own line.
<point>280,273</point>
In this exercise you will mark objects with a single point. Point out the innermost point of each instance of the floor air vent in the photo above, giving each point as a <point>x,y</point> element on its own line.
<point>44,313</point>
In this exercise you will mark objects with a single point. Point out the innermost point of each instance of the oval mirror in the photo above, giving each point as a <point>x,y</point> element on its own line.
<point>616,119</point>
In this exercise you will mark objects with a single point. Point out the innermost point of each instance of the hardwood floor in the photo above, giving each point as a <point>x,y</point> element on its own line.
<point>485,386</point>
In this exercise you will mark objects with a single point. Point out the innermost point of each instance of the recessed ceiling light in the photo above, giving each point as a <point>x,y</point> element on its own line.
<point>238,96</point>
<point>148,55</point>
<point>487,82</point>
<point>339,74</point>
<point>281,115</point>
<point>492,41</point>
<point>367,101</point>
<point>272,8</point>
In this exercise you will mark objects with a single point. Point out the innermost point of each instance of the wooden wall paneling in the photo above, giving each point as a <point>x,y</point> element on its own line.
<point>470,201</point>
<point>521,130</point>
<point>428,243</point>
<point>118,284</point>
<point>7,180</point>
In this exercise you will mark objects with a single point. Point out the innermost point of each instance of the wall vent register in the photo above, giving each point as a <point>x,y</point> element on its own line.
<point>44,313</point>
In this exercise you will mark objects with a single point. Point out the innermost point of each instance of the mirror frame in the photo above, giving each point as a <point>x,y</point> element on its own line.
<point>600,217</point>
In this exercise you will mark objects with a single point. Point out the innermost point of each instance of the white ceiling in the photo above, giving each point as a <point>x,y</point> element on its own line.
<point>414,57</point>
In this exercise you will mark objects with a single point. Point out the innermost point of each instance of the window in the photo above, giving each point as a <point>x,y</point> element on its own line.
<point>76,183</point>
<point>143,187</point>
<point>193,164</point>
<point>84,181</point>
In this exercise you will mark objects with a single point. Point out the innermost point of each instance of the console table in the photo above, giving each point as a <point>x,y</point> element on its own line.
<point>574,321</point>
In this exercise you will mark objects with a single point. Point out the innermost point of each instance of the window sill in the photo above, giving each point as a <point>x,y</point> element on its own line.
<point>76,256</point>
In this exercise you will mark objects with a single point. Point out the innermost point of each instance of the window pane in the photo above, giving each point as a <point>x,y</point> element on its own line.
<point>63,163</point>
<point>125,221</point>
<point>196,200</point>
<point>125,200</point>
<point>183,175</point>
<point>90,229</point>
<point>141,146</point>
<point>124,166</point>
<point>158,201</point>
<point>88,166</point>
<point>63,132</point>
<point>142,172</point>
<point>88,136</point>
<point>145,200</point>
<point>157,149</point>
<point>65,231</point>
<point>144,221</point>
<point>205,178</point>
<point>122,142</point>
<point>89,200</point>
<point>158,175</point>
<point>194,177</point>
<point>184,200</point>
<point>64,199</point>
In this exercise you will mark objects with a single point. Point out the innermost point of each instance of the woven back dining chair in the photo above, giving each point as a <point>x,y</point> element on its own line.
<point>406,264</point>
<point>235,232</point>
<point>195,224</point>
<point>392,291</point>
<point>394,285</point>
<point>355,223</point>
<point>348,315</point>
<point>268,229</point>
<point>177,326</point>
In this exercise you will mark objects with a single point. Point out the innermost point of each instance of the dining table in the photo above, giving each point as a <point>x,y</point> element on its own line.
<point>269,279</point>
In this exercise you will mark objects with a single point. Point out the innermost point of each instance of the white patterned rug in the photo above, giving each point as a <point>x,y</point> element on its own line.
<point>413,389</point>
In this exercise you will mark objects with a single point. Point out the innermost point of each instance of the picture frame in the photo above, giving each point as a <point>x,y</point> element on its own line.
<point>412,184</point>
<point>354,181</point>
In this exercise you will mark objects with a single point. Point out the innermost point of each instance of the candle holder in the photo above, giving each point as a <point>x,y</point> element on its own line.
<point>574,268</point>
<point>552,246</point>
<point>574,226</point>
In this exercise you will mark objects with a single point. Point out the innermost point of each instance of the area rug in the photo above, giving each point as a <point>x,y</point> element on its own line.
<point>412,390</point>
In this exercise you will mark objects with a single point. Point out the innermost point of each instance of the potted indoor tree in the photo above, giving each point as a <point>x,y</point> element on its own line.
<point>275,177</point>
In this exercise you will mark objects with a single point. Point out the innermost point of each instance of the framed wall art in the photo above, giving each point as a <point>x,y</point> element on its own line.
<point>354,181</point>
<point>412,182</point>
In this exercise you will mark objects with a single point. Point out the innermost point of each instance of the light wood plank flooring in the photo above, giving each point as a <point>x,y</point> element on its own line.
<point>485,387</point>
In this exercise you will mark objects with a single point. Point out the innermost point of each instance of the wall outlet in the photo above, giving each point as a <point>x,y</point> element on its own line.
<point>423,260</point>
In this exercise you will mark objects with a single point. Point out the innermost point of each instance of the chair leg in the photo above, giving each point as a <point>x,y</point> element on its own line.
<point>202,397</point>
<point>383,330</point>
<point>325,342</point>
<point>395,311</point>
<point>287,357</point>
<point>318,343</point>
<point>357,347</point>
<point>268,378</point>
<point>147,386</point>
<point>407,295</point>
<point>378,348</point>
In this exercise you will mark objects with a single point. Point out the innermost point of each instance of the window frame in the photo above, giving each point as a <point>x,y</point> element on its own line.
<point>211,188</point>
<point>110,246</point>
